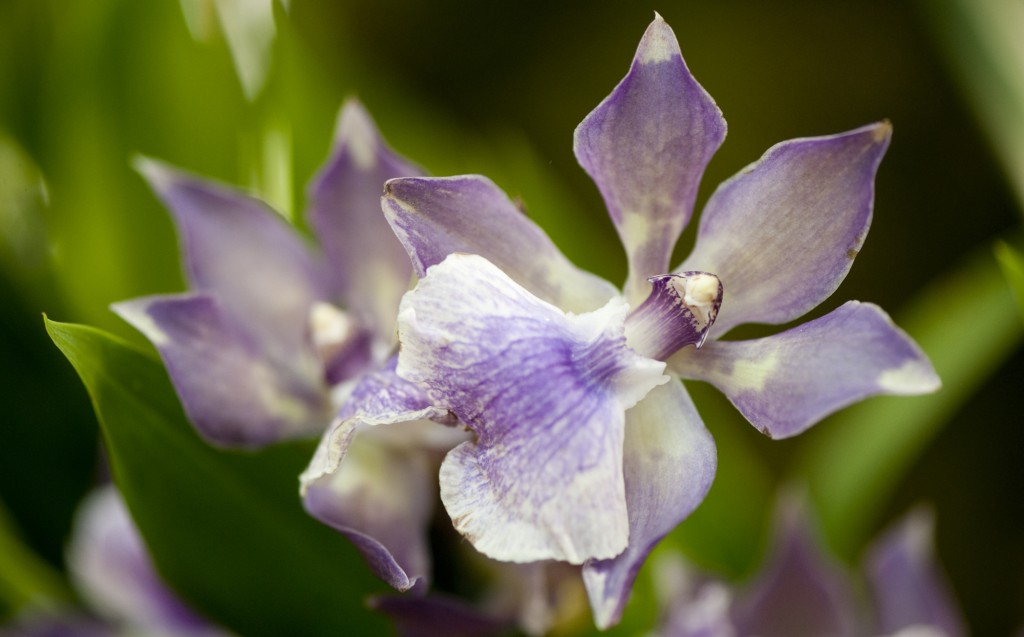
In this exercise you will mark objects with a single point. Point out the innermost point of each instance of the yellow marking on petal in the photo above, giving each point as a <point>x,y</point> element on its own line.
<point>752,375</point>
<point>913,377</point>
<point>636,228</point>
<point>882,131</point>
<point>279,403</point>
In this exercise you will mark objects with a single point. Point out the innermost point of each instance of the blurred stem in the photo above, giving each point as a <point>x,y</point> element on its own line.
<point>968,325</point>
<point>24,578</point>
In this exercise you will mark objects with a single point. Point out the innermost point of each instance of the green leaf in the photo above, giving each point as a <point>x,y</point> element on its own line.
<point>1012,264</point>
<point>968,326</point>
<point>982,43</point>
<point>25,578</point>
<point>226,529</point>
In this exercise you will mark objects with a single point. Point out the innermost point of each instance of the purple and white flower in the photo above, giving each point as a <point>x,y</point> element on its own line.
<point>587,449</point>
<point>272,338</point>
<point>802,592</point>
<point>256,345</point>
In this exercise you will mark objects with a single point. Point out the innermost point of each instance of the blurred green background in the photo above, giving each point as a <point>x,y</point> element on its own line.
<point>497,89</point>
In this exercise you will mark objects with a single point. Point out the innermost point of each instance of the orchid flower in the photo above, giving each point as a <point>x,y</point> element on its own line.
<point>273,339</point>
<point>259,341</point>
<point>801,592</point>
<point>587,449</point>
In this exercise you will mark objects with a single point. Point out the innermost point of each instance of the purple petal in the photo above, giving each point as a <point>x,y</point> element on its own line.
<point>437,616</point>
<point>783,233</point>
<point>669,464</point>
<point>380,497</point>
<point>113,571</point>
<point>800,593</point>
<point>437,217</point>
<point>706,615</point>
<point>546,394</point>
<point>693,605</point>
<point>646,146</point>
<point>679,312</point>
<point>907,585</point>
<point>373,475</point>
<point>345,348</point>
<point>785,383</point>
<point>232,389</point>
<point>368,263</point>
<point>238,249</point>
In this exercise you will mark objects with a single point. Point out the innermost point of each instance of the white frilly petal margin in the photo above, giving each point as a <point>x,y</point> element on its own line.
<point>669,465</point>
<point>380,498</point>
<point>785,383</point>
<point>545,392</point>
<point>372,476</point>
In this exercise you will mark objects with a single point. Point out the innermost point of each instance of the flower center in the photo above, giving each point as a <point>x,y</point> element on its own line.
<point>341,344</point>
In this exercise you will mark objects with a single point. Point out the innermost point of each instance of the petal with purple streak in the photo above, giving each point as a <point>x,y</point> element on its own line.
<point>435,217</point>
<point>679,312</point>
<point>646,146</point>
<point>785,383</point>
<point>368,263</point>
<point>783,233</point>
<point>238,249</point>
<point>907,586</point>
<point>231,388</point>
<point>372,476</point>
<point>545,392</point>
<point>669,465</point>
<point>800,593</point>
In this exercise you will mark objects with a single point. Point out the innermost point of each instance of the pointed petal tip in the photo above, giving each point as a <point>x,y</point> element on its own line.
<point>160,175</point>
<point>883,130</point>
<point>658,44</point>
<point>399,189</point>
<point>356,131</point>
<point>353,115</point>
<point>606,613</point>
<point>133,312</point>
<point>877,134</point>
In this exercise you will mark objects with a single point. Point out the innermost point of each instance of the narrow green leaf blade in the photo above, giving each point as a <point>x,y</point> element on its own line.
<point>968,325</point>
<point>983,45</point>
<point>1012,263</point>
<point>225,529</point>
